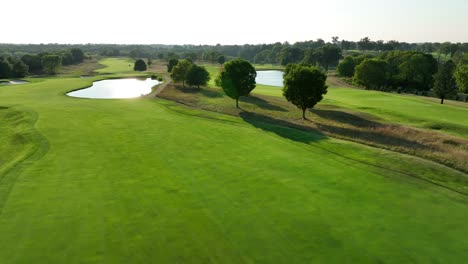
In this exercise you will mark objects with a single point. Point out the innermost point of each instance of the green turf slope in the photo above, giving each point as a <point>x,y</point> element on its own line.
<point>147,181</point>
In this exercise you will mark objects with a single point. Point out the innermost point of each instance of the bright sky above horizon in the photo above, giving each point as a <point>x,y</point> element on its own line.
<point>231,22</point>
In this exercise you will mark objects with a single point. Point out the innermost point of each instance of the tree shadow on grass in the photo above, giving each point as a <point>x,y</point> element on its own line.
<point>346,118</point>
<point>187,89</point>
<point>211,93</point>
<point>366,131</point>
<point>283,128</point>
<point>262,103</point>
<point>194,90</point>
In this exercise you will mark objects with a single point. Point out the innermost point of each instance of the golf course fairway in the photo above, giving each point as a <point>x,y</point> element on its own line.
<point>149,181</point>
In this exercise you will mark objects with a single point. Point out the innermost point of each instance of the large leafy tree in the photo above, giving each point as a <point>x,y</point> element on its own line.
<point>78,55</point>
<point>237,79</point>
<point>416,71</point>
<point>179,72</point>
<point>371,73</point>
<point>291,55</point>
<point>304,86</point>
<point>171,63</point>
<point>197,75</point>
<point>365,44</point>
<point>346,67</point>
<point>461,76</point>
<point>329,55</point>
<point>221,59</point>
<point>33,61</point>
<point>5,68</point>
<point>444,86</point>
<point>140,65</point>
<point>311,57</point>
<point>20,69</point>
<point>51,63</point>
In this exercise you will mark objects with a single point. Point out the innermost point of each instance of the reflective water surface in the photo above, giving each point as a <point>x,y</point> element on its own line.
<point>272,78</point>
<point>117,88</point>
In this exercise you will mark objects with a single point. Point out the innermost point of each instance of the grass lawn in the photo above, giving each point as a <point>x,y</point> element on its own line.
<point>116,65</point>
<point>410,110</point>
<point>149,181</point>
<point>405,109</point>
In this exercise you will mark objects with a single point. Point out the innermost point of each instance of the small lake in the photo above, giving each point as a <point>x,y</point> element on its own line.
<point>116,89</point>
<point>271,78</point>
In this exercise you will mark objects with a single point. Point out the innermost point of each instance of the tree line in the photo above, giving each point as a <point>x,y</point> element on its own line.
<point>407,71</point>
<point>47,62</point>
<point>260,53</point>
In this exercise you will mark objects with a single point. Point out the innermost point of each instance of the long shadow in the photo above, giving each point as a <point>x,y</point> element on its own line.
<point>194,90</point>
<point>346,118</point>
<point>372,137</point>
<point>262,103</point>
<point>307,134</point>
<point>365,130</point>
<point>283,128</point>
<point>211,94</point>
<point>186,89</point>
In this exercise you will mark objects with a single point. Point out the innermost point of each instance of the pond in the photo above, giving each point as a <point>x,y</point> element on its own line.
<point>271,78</point>
<point>116,89</point>
<point>12,82</point>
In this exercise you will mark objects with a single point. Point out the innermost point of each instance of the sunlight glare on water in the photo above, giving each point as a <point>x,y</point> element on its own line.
<point>117,88</point>
<point>271,78</point>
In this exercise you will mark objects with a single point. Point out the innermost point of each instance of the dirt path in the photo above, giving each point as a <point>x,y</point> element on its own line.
<point>337,82</point>
<point>160,87</point>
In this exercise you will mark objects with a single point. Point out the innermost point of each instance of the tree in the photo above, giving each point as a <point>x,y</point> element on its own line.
<point>172,62</point>
<point>77,54</point>
<point>20,69</point>
<point>197,75</point>
<point>140,65</point>
<point>458,57</point>
<point>290,55</point>
<point>149,62</point>
<point>33,62</point>
<point>347,45</point>
<point>311,57</point>
<point>179,72</point>
<point>371,73</point>
<point>67,58</point>
<point>135,53</point>
<point>346,67</point>
<point>328,55</point>
<point>237,79</point>
<point>461,76</point>
<point>336,40</point>
<point>304,86</point>
<point>51,63</point>
<point>444,86</point>
<point>5,68</point>
<point>221,59</point>
<point>365,44</point>
<point>416,71</point>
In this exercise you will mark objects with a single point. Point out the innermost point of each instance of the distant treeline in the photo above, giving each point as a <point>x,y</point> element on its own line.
<point>274,53</point>
<point>16,66</point>
<point>408,71</point>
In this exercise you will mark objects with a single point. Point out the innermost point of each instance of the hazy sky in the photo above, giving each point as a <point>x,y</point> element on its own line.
<point>230,22</point>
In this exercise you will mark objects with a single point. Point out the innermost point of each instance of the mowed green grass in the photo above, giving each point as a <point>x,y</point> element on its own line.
<point>147,181</point>
<point>116,65</point>
<point>404,109</point>
<point>410,110</point>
